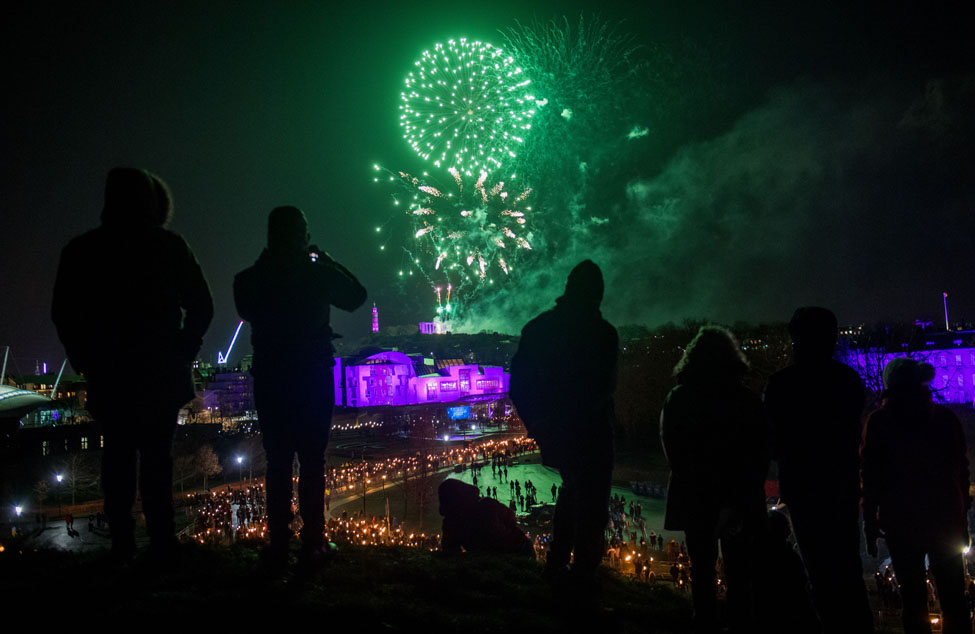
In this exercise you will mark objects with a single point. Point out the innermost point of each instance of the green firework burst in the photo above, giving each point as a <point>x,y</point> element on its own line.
<point>466,105</point>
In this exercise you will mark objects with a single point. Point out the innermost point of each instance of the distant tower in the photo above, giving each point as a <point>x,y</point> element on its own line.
<point>375,318</point>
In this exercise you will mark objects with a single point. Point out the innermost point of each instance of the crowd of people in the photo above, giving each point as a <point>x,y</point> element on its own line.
<point>228,515</point>
<point>498,453</point>
<point>910,458</point>
<point>233,514</point>
<point>236,513</point>
<point>715,431</point>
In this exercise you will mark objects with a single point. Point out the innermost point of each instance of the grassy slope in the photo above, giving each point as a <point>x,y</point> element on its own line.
<point>372,588</point>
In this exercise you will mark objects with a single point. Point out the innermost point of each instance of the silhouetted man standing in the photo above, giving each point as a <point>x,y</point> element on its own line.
<point>562,382</point>
<point>129,292</point>
<point>815,407</point>
<point>286,297</point>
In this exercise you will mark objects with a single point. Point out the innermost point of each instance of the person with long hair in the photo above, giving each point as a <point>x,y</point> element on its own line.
<point>916,494</point>
<point>715,435</point>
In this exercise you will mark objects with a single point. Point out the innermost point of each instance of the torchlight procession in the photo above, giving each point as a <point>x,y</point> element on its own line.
<point>236,514</point>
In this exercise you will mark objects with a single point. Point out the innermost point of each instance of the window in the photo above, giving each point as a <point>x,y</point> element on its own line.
<point>45,448</point>
<point>431,391</point>
<point>84,442</point>
<point>448,386</point>
<point>101,442</point>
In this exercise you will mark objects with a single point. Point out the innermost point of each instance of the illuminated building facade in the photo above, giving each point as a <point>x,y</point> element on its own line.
<point>395,378</point>
<point>951,353</point>
<point>436,327</point>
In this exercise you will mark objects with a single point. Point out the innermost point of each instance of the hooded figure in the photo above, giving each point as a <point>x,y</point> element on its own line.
<point>131,290</point>
<point>478,524</point>
<point>916,494</point>
<point>562,382</point>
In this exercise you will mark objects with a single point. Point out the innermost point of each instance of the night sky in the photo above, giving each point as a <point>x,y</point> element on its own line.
<point>805,153</point>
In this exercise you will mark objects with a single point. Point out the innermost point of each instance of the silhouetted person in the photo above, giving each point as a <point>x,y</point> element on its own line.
<point>477,524</point>
<point>715,435</point>
<point>916,495</point>
<point>132,292</point>
<point>562,382</point>
<point>286,297</point>
<point>815,407</point>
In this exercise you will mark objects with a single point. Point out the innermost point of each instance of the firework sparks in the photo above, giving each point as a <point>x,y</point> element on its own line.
<point>465,106</point>
<point>465,231</point>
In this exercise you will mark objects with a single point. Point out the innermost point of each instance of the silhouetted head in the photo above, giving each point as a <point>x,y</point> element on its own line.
<point>906,385</point>
<point>456,496</point>
<point>712,354</point>
<point>814,332</point>
<point>584,286</point>
<point>136,197</point>
<point>907,374</point>
<point>287,230</point>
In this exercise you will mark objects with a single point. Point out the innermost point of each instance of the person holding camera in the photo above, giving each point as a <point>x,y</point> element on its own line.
<point>286,296</point>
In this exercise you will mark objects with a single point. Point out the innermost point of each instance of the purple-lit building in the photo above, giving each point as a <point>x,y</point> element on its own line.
<point>395,378</point>
<point>951,353</point>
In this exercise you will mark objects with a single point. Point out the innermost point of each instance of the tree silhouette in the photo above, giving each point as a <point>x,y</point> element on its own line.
<point>207,464</point>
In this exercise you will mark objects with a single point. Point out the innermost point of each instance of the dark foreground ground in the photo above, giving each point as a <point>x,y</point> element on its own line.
<point>366,589</point>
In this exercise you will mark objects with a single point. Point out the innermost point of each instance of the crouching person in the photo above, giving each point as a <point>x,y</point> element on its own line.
<point>475,524</point>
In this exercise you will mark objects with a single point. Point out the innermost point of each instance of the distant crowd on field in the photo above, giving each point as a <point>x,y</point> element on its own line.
<point>351,475</point>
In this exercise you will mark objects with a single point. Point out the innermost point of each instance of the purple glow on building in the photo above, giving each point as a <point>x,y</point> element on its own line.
<point>953,360</point>
<point>394,378</point>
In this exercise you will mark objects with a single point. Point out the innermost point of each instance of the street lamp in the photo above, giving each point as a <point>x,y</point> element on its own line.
<point>386,506</point>
<point>59,478</point>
